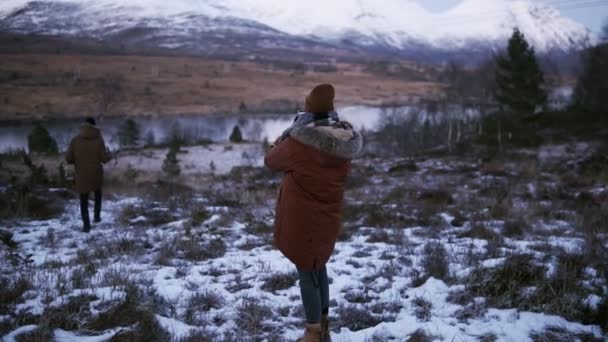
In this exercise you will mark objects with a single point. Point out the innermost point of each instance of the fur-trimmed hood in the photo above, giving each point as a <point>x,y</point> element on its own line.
<point>88,131</point>
<point>340,139</point>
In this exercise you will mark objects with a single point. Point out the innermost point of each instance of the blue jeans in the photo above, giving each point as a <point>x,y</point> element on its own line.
<point>314,288</point>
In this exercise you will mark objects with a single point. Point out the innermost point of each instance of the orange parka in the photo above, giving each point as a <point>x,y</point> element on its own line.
<point>88,152</point>
<point>315,162</point>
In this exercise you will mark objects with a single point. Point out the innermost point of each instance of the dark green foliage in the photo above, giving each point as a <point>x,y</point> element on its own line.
<point>62,179</point>
<point>592,86</point>
<point>236,136</point>
<point>519,77</point>
<point>242,107</point>
<point>128,133</point>
<point>25,201</point>
<point>503,286</point>
<point>177,137</point>
<point>171,164</point>
<point>39,140</point>
<point>38,173</point>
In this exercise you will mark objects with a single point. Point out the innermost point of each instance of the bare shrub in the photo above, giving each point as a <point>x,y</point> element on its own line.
<point>473,310</point>
<point>11,291</point>
<point>251,316</point>
<point>117,277</point>
<point>479,230</point>
<point>555,333</point>
<point>381,215</point>
<point>81,277</point>
<point>25,201</point>
<point>420,336</point>
<point>437,198</point>
<point>422,309</point>
<point>359,296</point>
<point>72,315</point>
<point>238,284</point>
<point>194,250</point>
<point>201,303</point>
<point>200,335</point>
<point>487,337</point>
<point>166,252</point>
<point>357,318</point>
<point>199,215</point>
<point>280,281</point>
<point>129,313</point>
<point>435,261</point>
<point>503,285</point>
<point>394,307</point>
<point>515,227</point>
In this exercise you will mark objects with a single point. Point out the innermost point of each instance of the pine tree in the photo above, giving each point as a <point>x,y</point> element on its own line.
<point>39,140</point>
<point>519,78</point>
<point>128,134</point>
<point>171,164</point>
<point>236,136</point>
<point>591,89</point>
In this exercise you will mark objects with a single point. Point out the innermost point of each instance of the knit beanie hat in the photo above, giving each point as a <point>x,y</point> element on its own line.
<point>321,99</point>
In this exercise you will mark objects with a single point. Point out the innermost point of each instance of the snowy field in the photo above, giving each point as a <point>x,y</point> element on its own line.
<point>438,249</point>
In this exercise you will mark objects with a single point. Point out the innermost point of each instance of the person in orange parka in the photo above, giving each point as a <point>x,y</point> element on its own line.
<point>314,155</point>
<point>87,151</point>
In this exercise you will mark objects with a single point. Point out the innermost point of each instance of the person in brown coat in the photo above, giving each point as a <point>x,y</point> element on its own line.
<point>314,155</point>
<point>87,151</point>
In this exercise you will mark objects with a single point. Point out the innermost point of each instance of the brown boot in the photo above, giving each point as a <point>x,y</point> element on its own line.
<point>325,335</point>
<point>312,334</point>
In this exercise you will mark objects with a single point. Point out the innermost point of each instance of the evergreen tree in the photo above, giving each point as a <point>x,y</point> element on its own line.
<point>62,179</point>
<point>519,78</point>
<point>591,89</point>
<point>128,134</point>
<point>171,164</point>
<point>236,136</point>
<point>39,140</point>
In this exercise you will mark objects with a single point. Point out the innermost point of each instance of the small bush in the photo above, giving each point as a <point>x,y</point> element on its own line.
<point>515,228</point>
<point>435,261</point>
<point>436,197</point>
<point>236,136</point>
<point>420,336</point>
<point>170,164</point>
<point>201,251</point>
<point>129,313</point>
<point>11,291</point>
<point>128,133</point>
<point>554,333</point>
<point>39,140</point>
<point>199,304</point>
<point>280,281</point>
<point>251,315</point>
<point>359,297</point>
<point>199,215</point>
<point>503,286</point>
<point>422,309</point>
<point>357,318</point>
<point>478,230</point>
<point>200,335</point>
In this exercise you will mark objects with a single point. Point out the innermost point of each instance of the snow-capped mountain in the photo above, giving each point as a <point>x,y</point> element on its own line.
<point>214,25</point>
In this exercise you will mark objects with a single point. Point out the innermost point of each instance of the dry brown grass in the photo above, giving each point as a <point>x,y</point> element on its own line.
<point>55,85</point>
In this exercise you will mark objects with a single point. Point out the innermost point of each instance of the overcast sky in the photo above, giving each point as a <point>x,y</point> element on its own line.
<point>591,13</point>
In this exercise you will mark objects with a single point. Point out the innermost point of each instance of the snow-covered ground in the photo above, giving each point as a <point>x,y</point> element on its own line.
<point>407,264</point>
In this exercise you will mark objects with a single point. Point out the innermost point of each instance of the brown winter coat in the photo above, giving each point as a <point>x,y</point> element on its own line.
<point>315,162</point>
<point>87,152</point>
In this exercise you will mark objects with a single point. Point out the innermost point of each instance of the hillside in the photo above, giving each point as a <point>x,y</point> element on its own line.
<point>53,86</point>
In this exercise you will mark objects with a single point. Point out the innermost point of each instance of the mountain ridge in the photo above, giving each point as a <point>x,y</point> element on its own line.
<point>396,27</point>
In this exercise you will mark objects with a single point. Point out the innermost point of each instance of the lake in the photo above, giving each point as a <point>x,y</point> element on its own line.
<point>158,129</point>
